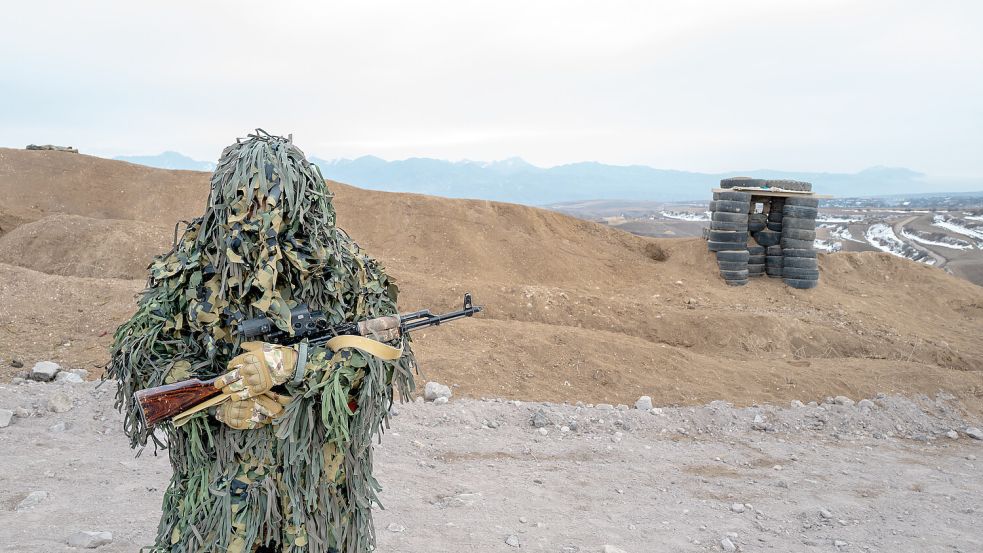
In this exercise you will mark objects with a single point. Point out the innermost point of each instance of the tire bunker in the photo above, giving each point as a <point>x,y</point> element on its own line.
<point>764,227</point>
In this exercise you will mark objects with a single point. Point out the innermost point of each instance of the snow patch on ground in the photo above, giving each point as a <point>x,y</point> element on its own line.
<point>841,232</point>
<point>974,217</point>
<point>686,215</point>
<point>832,219</point>
<point>953,225</point>
<point>882,237</point>
<point>828,246</point>
<point>955,243</point>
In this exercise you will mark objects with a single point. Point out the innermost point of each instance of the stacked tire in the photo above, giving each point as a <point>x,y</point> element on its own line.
<point>799,267</point>
<point>774,221</point>
<point>774,261</point>
<point>756,260</point>
<point>728,234</point>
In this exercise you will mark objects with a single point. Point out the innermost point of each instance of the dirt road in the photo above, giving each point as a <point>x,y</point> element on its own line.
<point>470,475</point>
<point>940,261</point>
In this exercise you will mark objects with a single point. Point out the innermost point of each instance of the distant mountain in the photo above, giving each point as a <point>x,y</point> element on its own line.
<point>515,180</point>
<point>169,160</point>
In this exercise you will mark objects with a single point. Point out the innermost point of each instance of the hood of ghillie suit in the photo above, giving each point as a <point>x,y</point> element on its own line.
<point>266,241</point>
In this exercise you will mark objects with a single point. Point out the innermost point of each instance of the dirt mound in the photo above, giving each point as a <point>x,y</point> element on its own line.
<point>71,245</point>
<point>574,310</point>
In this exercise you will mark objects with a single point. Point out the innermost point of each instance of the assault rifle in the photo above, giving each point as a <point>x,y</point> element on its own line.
<point>165,402</point>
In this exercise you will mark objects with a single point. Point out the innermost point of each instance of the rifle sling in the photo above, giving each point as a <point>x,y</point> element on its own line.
<point>361,343</point>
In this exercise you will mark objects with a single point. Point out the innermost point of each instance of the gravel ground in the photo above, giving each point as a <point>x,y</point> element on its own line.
<point>471,475</point>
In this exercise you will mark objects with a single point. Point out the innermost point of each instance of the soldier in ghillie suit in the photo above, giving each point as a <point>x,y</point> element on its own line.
<point>285,465</point>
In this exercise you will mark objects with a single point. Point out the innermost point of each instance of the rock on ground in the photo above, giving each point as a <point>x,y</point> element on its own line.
<point>434,390</point>
<point>59,402</point>
<point>974,433</point>
<point>45,371</point>
<point>90,540</point>
<point>644,403</point>
<point>68,378</point>
<point>5,416</point>
<point>33,499</point>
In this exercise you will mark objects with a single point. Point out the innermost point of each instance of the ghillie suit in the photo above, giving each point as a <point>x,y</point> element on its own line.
<point>266,242</point>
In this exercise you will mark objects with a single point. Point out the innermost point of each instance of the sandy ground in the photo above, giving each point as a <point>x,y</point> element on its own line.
<point>880,476</point>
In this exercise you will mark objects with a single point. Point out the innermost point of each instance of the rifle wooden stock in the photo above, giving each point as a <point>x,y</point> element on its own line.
<point>163,402</point>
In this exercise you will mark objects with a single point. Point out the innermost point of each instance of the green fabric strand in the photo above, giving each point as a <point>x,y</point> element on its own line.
<point>265,242</point>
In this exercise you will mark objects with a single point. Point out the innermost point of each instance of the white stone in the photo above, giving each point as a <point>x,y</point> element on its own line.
<point>727,545</point>
<point>604,406</point>
<point>644,403</point>
<point>825,514</point>
<point>974,433</point>
<point>543,431</point>
<point>512,540</point>
<point>5,416</point>
<point>843,400</point>
<point>737,507</point>
<point>58,427</point>
<point>59,402</point>
<point>440,401</point>
<point>44,371</point>
<point>90,540</point>
<point>393,527</point>
<point>32,499</point>
<point>952,435</point>
<point>656,411</point>
<point>612,549</point>
<point>68,378</point>
<point>434,390</point>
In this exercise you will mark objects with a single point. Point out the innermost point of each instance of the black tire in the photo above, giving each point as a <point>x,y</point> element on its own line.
<point>756,269</point>
<point>774,250</point>
<point>768,238</point>
<point>739,181</point>
<point>793,244</point>
<point>800,212</point>
<point>727,206</point>
<point>774,226</point>
<point>807,252</point>
<point>728,226</point>
<point>801,284</point>
<point>713,205</point>
<point>773,273</point>
<point>775,260</point>
<point>801,263</point>
<point>756,226</point>
<point>755,249</point>
<point>725,246</point>
<point>732,196</point>
<point>798,234</point>
<point>803,202</point>
<point>734,275</point>
<point>756,259</point>
<point>795,272</point>
<point>729,217</point>
<point>799,223</point>
<point>733,256</point>
<point>784,184</point>
<point>728,236</point>
<point>732,265</point>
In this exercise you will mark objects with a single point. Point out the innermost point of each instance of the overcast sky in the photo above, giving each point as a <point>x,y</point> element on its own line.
<point>824,85</point>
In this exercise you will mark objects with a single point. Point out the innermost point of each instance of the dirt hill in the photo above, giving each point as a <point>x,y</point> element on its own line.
<point>575,310</point>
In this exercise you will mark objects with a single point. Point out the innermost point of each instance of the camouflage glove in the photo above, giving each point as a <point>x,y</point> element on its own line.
<point>257,370</point>
<point>254,412</point>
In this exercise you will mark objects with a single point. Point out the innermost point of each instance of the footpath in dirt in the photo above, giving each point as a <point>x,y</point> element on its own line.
<point>884,474</point>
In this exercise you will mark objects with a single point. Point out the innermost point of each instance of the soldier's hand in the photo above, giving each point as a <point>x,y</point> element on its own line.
<point>247,414</point>
<point>254,372</point>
